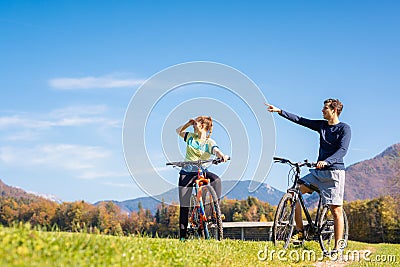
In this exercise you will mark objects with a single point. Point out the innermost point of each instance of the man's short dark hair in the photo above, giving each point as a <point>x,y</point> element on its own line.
<point>334,104</point>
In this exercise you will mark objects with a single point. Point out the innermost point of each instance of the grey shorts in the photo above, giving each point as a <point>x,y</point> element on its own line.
<point>330,183</point>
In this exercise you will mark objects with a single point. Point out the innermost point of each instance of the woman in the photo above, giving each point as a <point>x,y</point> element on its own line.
<point>199,146</point>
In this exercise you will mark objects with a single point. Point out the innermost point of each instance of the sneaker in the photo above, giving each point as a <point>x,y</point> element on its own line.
<point>183,233</point>
<point>299,237</point>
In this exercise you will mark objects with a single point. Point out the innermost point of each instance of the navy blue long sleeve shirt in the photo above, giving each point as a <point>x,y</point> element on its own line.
<point>334,140</point>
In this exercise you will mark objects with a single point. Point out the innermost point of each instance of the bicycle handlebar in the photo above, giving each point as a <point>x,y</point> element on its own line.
<point>296,164</point>
<point>196,163</point>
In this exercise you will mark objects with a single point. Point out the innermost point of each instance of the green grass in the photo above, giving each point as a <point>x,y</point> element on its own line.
<point>381,254</point>
<point>21,246</point>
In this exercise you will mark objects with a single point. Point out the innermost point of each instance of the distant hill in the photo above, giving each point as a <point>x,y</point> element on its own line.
<point>18,193</point>
<point>240,191</point>
<point>374,177</point>
<point>9,191</point>
<point>265,192</point>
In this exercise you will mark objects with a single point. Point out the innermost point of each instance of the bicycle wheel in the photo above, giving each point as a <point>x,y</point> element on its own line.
<point>327,233</point>
<point>194,219</point>
<point>213,221</point>
<point>284,221</point>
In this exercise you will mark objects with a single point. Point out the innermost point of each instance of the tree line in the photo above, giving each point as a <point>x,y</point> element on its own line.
<point>108,218</point>
<point>374,220</point>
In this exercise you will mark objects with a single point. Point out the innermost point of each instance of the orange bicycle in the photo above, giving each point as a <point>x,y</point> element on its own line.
<point>204,212</point>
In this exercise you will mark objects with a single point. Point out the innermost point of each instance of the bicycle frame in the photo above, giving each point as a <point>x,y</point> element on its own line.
<point>298,196</point>
<point>199,182</point>
<point>199,217</point>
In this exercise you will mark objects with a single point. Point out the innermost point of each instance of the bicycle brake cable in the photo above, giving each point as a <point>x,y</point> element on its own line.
<point>288,177</point>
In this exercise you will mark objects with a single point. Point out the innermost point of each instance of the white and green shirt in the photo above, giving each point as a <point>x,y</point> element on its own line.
<point>197,149</point>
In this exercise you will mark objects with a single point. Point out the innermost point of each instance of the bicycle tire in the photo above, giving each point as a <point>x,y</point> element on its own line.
<point>283,226</point>
<point>213,223</point>
<point>194,219</point>
<point>326,234</point>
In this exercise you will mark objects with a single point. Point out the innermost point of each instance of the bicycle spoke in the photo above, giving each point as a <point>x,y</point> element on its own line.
<point>212,212</point>
<point>284,221</point>
<point>327,231</point>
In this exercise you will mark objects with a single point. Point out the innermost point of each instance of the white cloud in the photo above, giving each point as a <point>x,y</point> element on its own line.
<point>152,170</point>
<point>32,123</point>
<point>79,110</point>
<point>68,160</point>
<point>63,156</point>
<point>21,121</point>
<point>104,174</point>
<point>25,135</point>
<point>83,115</point>
<point>68,116</point>
<point>41,143</point>
<point>107,81</point>
<point>120,185</point>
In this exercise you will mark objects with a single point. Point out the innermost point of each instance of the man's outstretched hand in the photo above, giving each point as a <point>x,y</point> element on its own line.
<point>272,108</point>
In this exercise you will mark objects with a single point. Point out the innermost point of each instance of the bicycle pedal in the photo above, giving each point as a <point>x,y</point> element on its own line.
<point>298,242</point>
<point>312,237</point>
<point>330,223</point>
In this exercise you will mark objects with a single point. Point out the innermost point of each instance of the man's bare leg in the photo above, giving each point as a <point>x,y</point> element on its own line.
<point>298,216</point>
<point>338,221</point>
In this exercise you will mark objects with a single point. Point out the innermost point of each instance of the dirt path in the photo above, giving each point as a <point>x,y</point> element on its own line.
<point>347,258</point>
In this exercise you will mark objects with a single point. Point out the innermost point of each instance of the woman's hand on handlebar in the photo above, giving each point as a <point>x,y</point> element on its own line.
<point>221,155</point>
<point>225,158</point>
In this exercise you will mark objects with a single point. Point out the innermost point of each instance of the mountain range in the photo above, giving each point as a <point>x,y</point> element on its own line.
<point>367,179</point>
<point>16,192</point>
<point>364,180</point>
<point>375,177</point>
<point>239,190</point>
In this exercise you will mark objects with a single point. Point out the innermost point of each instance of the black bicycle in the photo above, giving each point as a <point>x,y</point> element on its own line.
<point>321,229</point>
<point>204,212</point>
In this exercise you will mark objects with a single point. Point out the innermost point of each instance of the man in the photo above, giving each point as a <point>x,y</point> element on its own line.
<point>329,175</point>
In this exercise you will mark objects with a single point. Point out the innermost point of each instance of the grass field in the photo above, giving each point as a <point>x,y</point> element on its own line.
<point>21,246</point>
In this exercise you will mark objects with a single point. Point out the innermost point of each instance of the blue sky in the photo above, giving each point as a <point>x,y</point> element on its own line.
<point>69,69</point>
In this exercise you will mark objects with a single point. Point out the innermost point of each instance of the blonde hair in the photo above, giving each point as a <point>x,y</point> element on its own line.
<point>207,121</point>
